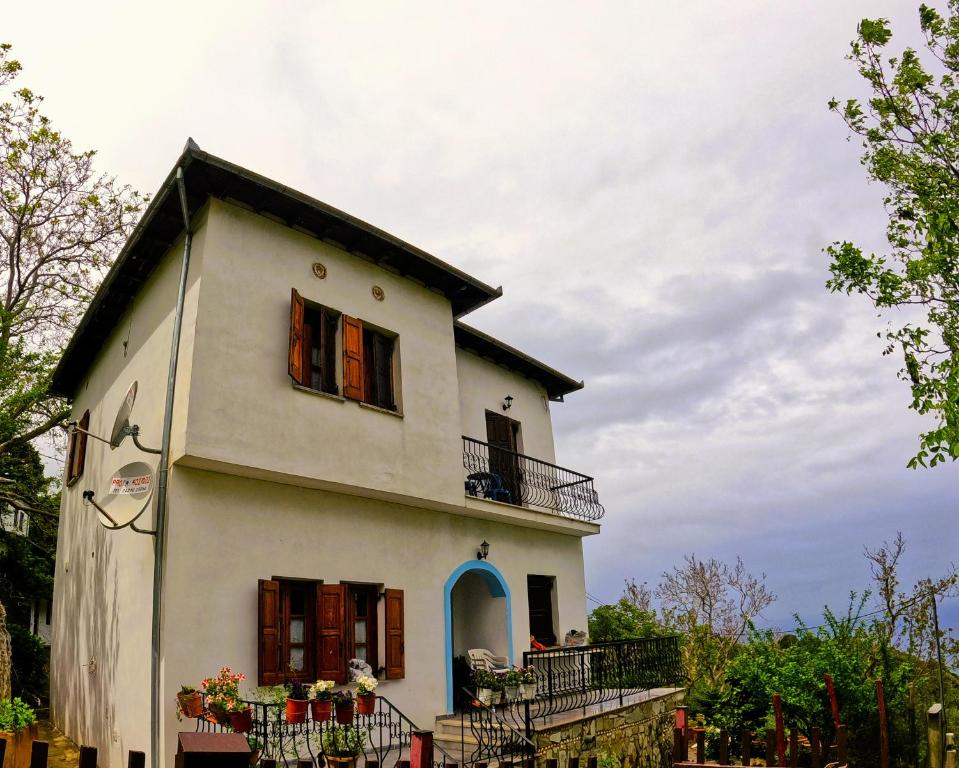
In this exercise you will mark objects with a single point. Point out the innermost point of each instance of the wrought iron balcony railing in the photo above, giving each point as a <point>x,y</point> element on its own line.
<point>501,475</point>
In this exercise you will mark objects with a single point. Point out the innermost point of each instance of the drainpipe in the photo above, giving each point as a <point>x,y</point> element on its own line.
<point>160,520</point>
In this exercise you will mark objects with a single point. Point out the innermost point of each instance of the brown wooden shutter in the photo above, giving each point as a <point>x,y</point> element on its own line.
<point>330,632</point>
<point>395,641</point>
<point>82,444</point>
<point>268,634</point>
<point>296,337</point>
<point>352,358</point>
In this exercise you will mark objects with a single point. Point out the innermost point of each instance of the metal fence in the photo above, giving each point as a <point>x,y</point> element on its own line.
<point>501,475</point>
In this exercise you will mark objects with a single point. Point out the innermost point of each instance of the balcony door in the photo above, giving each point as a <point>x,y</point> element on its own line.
<point>501,434</point>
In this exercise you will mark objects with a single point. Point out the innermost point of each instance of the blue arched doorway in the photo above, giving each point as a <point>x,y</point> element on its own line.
<point>478,612</point>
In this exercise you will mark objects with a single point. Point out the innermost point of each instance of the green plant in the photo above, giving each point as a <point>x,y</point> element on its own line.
<point>224,690</point>
<point>342,741</point>
<point>483,678</point>
<point>187,689</point>
<point>15,715</point>
<point>607,760</point>
<point>512,678</point>
<point>527,675</point>
<point>297,690</point>
<point>269,694</point>
<point>366,685</point>
<point>342,698</point>
<point>254,743</point>
<point>322,690</point>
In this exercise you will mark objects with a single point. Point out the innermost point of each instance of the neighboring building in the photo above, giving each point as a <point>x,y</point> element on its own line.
<point>37,610</point>
<point>336,433</point>
<point>14,521</point>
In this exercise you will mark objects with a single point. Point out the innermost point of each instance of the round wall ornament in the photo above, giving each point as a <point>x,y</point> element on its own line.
<point>319,270</point>
<point>378,293</point>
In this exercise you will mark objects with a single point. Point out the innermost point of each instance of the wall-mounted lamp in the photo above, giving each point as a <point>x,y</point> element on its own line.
<point>483,552</point>
<point>507,402</point>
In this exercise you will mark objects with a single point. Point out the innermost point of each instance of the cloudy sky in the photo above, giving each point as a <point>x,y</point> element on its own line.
<point>652,184</point>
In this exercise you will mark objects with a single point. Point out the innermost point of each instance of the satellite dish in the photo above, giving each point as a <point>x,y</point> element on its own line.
<point>129,494</point>
<point>122,422</point>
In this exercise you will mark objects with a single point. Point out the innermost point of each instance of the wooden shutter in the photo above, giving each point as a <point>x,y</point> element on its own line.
<point>395,641</point>
<point>268,634</point>
<point>330,632</point>
<point>352,358</point>
<point>296,337</point>
<point>78,449</point>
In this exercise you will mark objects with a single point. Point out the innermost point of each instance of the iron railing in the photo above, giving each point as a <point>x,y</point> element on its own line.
<point>497,741</point>
<point>501,475</point>
<point>386,735</point>
<point>578,677</point>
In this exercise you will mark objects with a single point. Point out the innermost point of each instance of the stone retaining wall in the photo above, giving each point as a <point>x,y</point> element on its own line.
<point>637,735</point>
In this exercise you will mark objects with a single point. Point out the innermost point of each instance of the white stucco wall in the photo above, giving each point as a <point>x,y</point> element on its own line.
<point>225,532</point>
<point>244,410</point>
<point>482,387</point>
<point>100,655</point>
<point>479,618</point>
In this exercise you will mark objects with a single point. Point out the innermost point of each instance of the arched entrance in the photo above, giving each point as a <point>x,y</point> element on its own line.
<point>478,614</point>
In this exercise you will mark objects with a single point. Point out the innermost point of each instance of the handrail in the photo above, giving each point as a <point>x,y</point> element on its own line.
<point>503,475</point>
<point>496,739</point>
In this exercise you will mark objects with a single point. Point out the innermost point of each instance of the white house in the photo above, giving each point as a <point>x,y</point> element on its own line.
<point>342,445</point>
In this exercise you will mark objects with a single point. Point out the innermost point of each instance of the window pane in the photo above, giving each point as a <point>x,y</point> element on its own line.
<point>360,603</point>
<point>359,632</point>
<point>297,602</point>
<point>361,653</point>
<point>296,631</point>
<point>296,659</point>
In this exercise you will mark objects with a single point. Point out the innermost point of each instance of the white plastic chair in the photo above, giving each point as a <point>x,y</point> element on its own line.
<point>481,658</point>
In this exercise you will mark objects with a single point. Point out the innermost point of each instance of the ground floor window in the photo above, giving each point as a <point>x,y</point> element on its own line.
<point>310,630</point>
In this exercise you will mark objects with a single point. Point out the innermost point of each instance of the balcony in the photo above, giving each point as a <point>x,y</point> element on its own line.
<point>500,475</point>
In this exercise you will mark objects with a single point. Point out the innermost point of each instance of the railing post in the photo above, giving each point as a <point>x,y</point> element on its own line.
<point>38,754</point>
<point>421,749</point>
<point>815,747</point>
<point>136,759</point>
<point>619,672</point>
<point>88,757</point>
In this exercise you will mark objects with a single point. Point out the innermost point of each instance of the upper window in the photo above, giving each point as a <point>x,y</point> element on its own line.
<point>77,452</point>
<point>369,355</point>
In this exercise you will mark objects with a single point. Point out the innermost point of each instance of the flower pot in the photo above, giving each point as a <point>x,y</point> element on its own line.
<point>529,691</point>
<point>220,715</point>
<point>242,722</point>
<point>366,703</point>
<point>19,747</point>
<point>512,693</point>
<point>191,704</point>
<point>485,696</point>
<point>321,709</point>
<point>296,710</point>
<point>344,715</point>
<point>340,762</point>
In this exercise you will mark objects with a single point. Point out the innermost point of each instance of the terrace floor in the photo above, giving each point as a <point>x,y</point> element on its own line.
<point>63,753</point>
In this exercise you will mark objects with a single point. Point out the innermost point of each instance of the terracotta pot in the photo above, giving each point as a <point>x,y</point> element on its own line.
<point>344,715</point>
<point>242,722</point>
<point>19,747</point>
<point>296,710</point>
<point>340,762</point>
<point>366,703</point>
<point>220,715</point>
<point>321,709</point>
<point>191,704</point>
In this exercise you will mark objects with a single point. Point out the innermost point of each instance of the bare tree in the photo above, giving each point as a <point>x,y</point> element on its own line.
<point>639,595</point>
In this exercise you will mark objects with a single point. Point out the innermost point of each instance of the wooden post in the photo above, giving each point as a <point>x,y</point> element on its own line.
<point>268,762</point>
<point>935,735</point>
<point>38,754</point>
<point>815,747</point>
<point>747,746</point>
<point>3,749</point>
<point>372,764</point>
<point>883,726</point>
<point>552,762</point>
<point>724,747</point>
<point>793,748</point>
<point>841,744</point>
<point>136,759</point>
<point>88,757</point>
<point>421,749</point>
<point>304,764</point>
<point>700,746</point>
<point>594,760</point>
<point>573,763</point>
<point>679,745</point>
<point>780,730</point>
<point>402,764</point>
<point>770,748</point>
<point>833,701</point>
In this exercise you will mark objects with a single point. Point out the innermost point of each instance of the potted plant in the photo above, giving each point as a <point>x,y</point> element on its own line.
<point>297,702</point>
<point>321,703</point>
<point>256,749</point>
<point>18,725</point>
<point>241,715</point>
<point>189,702</point>
<point>342,745</point>
<point>486,684</point>
<point>223,694</point>
<point>365,694</point>
<point>343,704</point>
<point>529,682</point>
<point>512,680</point>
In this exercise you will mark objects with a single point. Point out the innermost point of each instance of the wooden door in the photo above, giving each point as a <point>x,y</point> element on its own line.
<point>501,433</point>
<point>540,592</point>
